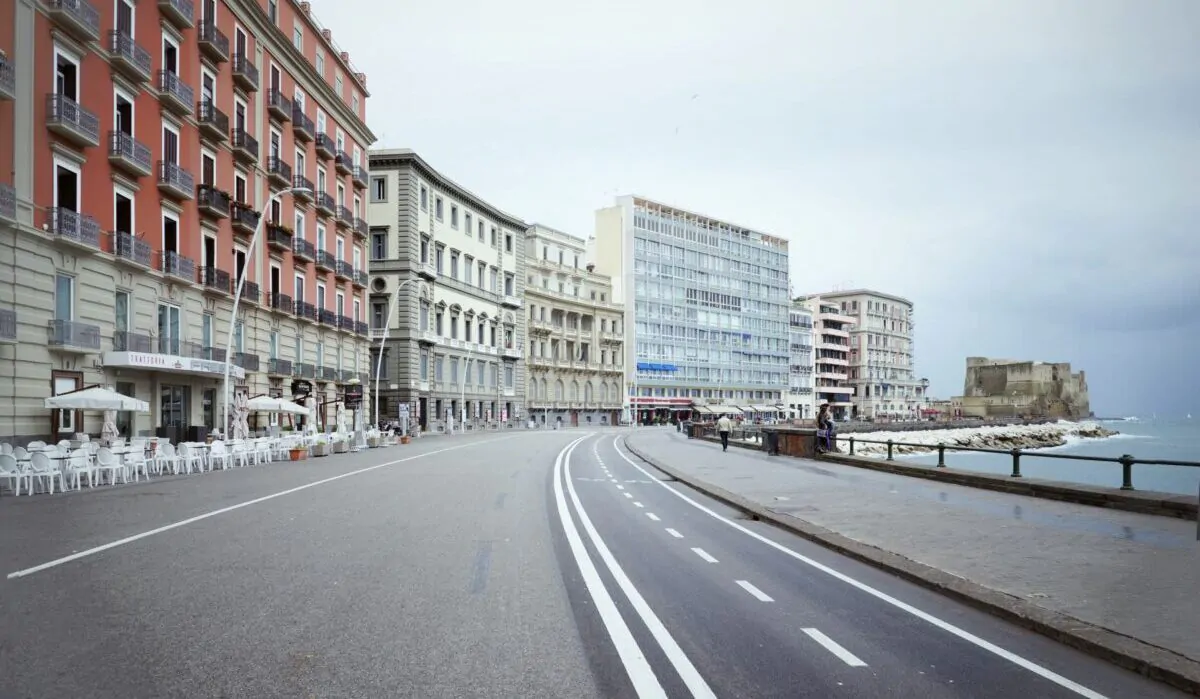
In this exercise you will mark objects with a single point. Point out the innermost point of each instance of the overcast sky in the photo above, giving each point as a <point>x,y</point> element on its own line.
<point>1028,173</point>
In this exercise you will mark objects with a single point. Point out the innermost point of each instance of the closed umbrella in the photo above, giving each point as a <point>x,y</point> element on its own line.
<point>109,431</point>
<point>341,418</point>
<point>241,428</point>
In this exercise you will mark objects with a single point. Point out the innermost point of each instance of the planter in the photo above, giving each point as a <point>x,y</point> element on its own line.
<point>373,442</point>
<point>298,454</point>
<point>340,447</point>
<point>405,439</point>
<point>320,450</point>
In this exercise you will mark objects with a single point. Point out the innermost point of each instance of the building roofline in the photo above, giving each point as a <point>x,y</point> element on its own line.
<point>767,237</point>
<point>555,231</point>
<point>856,292</point>
<point>394,158</point>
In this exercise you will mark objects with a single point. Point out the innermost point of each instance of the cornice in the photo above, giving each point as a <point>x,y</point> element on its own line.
<point>398,159</point>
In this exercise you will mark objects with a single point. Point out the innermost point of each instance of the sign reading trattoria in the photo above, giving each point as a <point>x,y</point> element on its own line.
<point>300,387</point>
<point>353,396</point>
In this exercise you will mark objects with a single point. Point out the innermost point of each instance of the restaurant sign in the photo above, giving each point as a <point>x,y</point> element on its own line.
<point>170,363</point>
<point>301,387</point>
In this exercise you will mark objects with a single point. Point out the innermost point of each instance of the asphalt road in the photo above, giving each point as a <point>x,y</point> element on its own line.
<point>503,565</point>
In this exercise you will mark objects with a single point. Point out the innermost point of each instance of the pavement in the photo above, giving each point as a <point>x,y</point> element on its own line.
<point>532,564</point>
<point>1119,584</point>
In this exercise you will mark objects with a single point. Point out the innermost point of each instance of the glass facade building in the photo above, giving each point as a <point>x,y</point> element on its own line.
<point>709,302</point>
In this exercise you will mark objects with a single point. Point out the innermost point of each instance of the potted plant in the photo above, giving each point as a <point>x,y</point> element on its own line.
<point>405,439</point>
<point>298,453</point>
<point>341,446</point>
<point>373,439</point>
<point>321,447</point>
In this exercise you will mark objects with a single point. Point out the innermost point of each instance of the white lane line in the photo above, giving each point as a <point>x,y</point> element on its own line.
<point>832,646</point>
<point>645,683</point>
<point>759,594</point>
<point>678,659</point>
<point>637,504</point>
<point>620,487</point>
<point>629,495</point>
<point>674,533</point>
<point>904,606</point>
<point>704,554</point>
<point>653,517</point>
<point>192,520</point>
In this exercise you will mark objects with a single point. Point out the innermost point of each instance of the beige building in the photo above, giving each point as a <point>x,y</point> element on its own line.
<point>457,263</point>
<point>831,355</point>
<point>575,356</point>
<point>1013,388</point>
<point>881,368</point>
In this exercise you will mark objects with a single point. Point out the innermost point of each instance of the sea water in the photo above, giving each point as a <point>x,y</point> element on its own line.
<point>1170,440</point>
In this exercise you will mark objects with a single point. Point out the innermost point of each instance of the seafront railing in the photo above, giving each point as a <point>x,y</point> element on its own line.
<point>1126,461</point>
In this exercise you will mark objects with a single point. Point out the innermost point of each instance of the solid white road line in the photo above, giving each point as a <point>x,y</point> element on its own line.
<point>759,594</point>
<point>678,659</point>
<point>192,520</point>
<point>832,646</point>
<point>645,682</point>
<point>704,554</point>
<point>904,606</point>
<point>674,533</point>
<point>653,517</point>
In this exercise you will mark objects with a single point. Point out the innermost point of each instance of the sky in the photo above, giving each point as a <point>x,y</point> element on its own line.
<point>1026,172</point>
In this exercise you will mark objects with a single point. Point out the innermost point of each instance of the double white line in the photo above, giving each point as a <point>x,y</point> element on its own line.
<point>645,682</point>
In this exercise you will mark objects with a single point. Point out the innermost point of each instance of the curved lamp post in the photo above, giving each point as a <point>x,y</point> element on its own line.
<point>387,326</point>
<point>237,297</point>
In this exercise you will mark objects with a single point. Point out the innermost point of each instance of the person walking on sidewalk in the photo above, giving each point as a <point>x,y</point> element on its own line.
<point>724,427</point>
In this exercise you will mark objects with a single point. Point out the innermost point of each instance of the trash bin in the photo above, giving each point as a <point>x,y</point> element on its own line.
<point>771,441</point>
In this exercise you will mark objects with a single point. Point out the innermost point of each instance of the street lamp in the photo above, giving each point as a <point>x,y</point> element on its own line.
<point>237,296</point>
<point>387,326</point>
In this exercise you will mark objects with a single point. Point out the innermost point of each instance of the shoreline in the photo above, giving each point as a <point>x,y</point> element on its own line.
<point>999,437</point>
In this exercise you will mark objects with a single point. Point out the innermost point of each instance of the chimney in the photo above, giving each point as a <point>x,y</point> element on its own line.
<point>345,57</point>
<point>327,34</point>
<point>591,267</point>
<point>306,8</point>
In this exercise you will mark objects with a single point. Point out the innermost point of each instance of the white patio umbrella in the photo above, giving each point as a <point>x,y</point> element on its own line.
<point>110,431</point>
<point>241,428</point>
<point>267,404</point>
<point>96,398</point>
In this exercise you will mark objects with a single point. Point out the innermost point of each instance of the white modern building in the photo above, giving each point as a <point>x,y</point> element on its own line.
<point>800,398</point>
<point>574,356</point>
<point>709,301</point>
<point>453,265</point>
<point>831,362</point>
<point>881,365</point>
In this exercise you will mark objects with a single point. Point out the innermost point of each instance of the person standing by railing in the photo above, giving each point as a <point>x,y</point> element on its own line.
<point>825,429</point>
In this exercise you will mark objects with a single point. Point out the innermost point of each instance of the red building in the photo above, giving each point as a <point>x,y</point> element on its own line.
<point>141,142</point>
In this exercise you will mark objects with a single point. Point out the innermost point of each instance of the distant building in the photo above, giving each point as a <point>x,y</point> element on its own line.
<point>800,399</point>
<point>831,361</point>
<point>1012,388</point>
<point>575,361</point>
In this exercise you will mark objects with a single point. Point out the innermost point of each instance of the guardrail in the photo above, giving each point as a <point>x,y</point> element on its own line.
<point>1126,461</point>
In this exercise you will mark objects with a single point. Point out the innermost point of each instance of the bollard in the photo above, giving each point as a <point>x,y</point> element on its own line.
<point>889,443</point>
<point>1016,455</point>
<point>851,445</point>
<point>941,455</point>
<point>1126,471</point>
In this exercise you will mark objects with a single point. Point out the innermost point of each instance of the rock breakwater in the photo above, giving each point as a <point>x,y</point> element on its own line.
<point>1003,437</point>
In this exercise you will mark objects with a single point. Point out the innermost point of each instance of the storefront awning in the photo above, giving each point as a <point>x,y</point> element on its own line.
<point>702,409</point>
<point>170,363</point>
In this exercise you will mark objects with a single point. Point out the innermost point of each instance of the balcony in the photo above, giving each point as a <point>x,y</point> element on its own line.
<point>179,12</point>
<point>343,163</point>
<point>511,301</point>
<point>306,311</point>
<point>279,237</point>
<point>360,328</point>
<point>345,323</point>
<point>128,58</point>
<point>361,229</point>
<point>71,121</point>
<point>174,93</point>
<point>304,371</point>
<point>244,218</point>
<point>359,279</point>
<point>327,317</point>
<point>129,341</point>
<point>345,218</point>
<point>428,337</point>
<point>280,303</point>
<point>213,122</point>
<point>212,42</point>
<point>8,326</point>
<point>212,202</point>
<point>75,229</point>
<point>302,126</point>
<point>247,361</point>
<point>8,202</point>
<point>279,106</point>
<point>215,280</point>
<point>324,146</point>
<point>302,250</point>
<point>130,249</point>
<point>279,172</point>
<point>245,146</point>
<point>245,74</point>
<point>279,367</point>
<point>72,336</point>
<point>328,373</point>
<point>129,154</point>
<point>213,354</point>
<point>359,177</point>
<point>251,293</point>
<point>304,187</point>
<point>175,182</point>
<point>511,353</point>
<point>78,17</point>
<point>426,270</point>
<point>325,261</point>
<point>344,271</point>
<point>178,266</point>
<point>325,203</point>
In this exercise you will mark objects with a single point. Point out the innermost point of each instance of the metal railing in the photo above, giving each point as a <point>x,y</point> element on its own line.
<point>1126,461</point>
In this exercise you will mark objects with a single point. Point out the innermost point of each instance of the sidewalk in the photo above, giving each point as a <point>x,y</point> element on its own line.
<point>1131,579</point>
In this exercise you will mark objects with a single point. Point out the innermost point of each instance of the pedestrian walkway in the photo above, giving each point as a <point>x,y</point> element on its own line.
<point>1134,574</point>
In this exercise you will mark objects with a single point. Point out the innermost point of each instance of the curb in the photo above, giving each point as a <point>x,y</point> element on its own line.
<point>1130,653</point>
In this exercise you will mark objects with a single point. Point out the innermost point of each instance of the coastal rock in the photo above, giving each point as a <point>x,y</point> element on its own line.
<point>1005,437</point>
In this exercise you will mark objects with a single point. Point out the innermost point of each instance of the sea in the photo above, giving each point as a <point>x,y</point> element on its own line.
<point>1143,438</point>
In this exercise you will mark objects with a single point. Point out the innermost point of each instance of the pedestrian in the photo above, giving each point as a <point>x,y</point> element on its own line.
<point>825,429</point>
<point>724,427</point>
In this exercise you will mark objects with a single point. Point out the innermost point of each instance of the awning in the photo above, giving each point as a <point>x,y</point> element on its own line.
<point>763,409</point>
<point>97,398</point>
<point>726,410</point>
<point>702,409</point>
<point>267,404</point>
<point>170,363</point>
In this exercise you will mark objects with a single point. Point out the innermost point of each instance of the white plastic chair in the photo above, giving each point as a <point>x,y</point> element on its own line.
<point>190,459</point>
<point>165,458</point>
<point>78,465</point>
<point>41,469</point>
<point>6,448</point>
<point>242,453</point>
<point>262,451</point>
<point>107,462</point>
<point>218,454</point>
<point>9,471</point>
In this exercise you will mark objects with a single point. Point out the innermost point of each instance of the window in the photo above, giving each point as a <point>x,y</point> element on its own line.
<point>339,85</point>
<point>439,254</point>
<point>354,104</point>
<point>273,345</point>
<point>168,329</point>
<point>424,250</point>
<point>170,241</point>
<point>66,186</point>
<point>239,188</point>
<point>357,311</point>
<point>423,316</point>
<point>123,214</point>
<point>301,165</point>
<point>341,194</point>
<point>298,288</point>
<point>339,249</point>
<point>170,55</point>
<point>378,189</point>
<point>121,312</point>
<point>438,363</point>
<point>320,121</point>
<point>454,371</point>
<point>509,376</point>
<point>493,237</point>
<point>320,295</point>
<point>321,181</point>
<point>340,300</point>
<point>208,86</point>
<point>297,37</point>
<point>508,242</point>
<point>509,282</point>
<point>66,78</point>
<point>124,23</point>
<point>454,216</point>
<point>437,207</point>
<point>424,198</point>
<point>320,62</point>
<point>454,264</point>
<point>273,11</point>
<point>299,230</point>
<point>320,236</point>
<point>424,365</point>
<point>482,273</point>
<point>480,226</point>
<point>170,144</point>
<point>378,313</point>
<point>379,245</point>
<point>298,99</point>
<point>357,259</point>
<point>208,168</point>
<point>438,325</point>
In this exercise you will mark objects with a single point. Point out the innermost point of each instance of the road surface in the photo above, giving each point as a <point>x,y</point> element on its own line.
<point>544,564</point>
